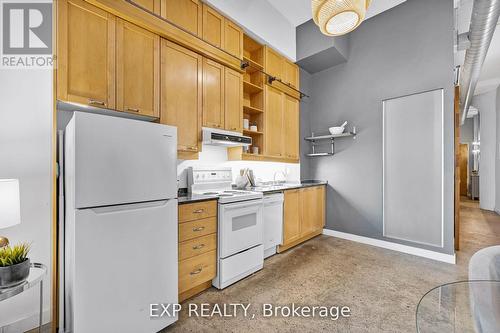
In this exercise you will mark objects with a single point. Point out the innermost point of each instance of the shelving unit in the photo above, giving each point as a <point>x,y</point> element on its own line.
<point>313,139</point>
<point>253,98</point>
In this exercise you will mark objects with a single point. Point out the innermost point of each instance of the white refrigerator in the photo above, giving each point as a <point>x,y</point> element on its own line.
<point>120,228</point>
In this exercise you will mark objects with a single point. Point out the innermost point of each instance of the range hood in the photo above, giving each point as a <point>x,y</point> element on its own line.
<point>217,137</point>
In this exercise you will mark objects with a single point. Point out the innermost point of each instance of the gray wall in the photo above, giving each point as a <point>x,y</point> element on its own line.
<point>405,50</point>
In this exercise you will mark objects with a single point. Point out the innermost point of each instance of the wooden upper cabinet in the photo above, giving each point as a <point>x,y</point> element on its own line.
<point>291,73</point>
<point>137,69</point>
<point>181,94</point>
<point>213,26</point>
<point>187,14</point>
<point>274,63</point>
<point>274,122</point>
<point>213,94</point>
<point>151,5</point>
<point>233,39</point>
<point>291,216</point>
<point>291,127</point>
<point>233,100</point>
<point>86,54</point>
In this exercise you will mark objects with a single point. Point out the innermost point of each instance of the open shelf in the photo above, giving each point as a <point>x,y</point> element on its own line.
<point>251,88</point>
<point>252,110</point>
<point>319,154</point>
<point>248,132</point>
<point>326,137</point>
<point>253,65</point>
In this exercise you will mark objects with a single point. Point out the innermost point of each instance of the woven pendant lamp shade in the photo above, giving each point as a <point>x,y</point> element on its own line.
<point>338,17</point>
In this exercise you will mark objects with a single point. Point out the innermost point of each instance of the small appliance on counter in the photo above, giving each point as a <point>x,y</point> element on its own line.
<point>240,250</point>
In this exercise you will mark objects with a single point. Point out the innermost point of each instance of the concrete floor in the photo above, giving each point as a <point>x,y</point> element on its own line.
<point>381,287</point>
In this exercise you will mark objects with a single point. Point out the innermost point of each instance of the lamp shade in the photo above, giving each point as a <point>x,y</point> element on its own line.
<point>10,212</point>
<point>338,17</point>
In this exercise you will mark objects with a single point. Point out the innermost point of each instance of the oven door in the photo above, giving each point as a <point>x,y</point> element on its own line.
<point>240,226</point>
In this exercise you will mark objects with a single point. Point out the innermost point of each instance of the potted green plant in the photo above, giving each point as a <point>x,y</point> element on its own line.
<point>14,264</point>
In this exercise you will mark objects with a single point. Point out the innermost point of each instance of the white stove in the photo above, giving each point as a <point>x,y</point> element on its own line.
<point>217,182</point>
<point>240,250</point>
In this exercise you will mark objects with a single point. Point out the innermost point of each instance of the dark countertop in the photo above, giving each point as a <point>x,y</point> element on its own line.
<point>185,197</point>
<point>190,198</point>
<point>287,186</point>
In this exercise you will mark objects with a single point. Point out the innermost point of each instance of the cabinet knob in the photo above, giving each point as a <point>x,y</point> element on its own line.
<point>197,247</point>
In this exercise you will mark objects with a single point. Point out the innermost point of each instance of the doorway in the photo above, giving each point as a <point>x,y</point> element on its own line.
<point>464,169</point>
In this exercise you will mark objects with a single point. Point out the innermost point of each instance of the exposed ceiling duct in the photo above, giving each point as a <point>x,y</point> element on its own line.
<point>484,20</point>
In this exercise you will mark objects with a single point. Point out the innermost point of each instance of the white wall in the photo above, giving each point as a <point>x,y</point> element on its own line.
<point>217,156</point>
<point>486,104</point>
<point>262,20</point>
<point>25,153</point>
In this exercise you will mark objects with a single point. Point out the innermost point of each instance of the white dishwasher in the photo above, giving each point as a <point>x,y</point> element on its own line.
<point>273,222</point>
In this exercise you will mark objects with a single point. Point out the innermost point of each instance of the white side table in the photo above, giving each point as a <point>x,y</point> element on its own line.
<point>37,273</point>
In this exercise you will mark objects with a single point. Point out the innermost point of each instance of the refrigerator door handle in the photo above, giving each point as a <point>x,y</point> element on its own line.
<point>128,207</point>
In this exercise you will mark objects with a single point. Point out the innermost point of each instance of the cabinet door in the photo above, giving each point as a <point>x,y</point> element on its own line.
<point>320,205</point>
<point>313,209</point>
<point>233,100</point>
<point>185,13</point>
<point>137,69</point>
<point>291,216</point>
<point>291,73</point>
<point>213,27</point>
<point>181,94</point>
<point>291,127</point>
<point>274,121</point>
<point>86,54</point>
<point>309,215</point>
<point>151,5</point>
<point>213,94</point>
<point>274,63</point>
<point>233,39</point>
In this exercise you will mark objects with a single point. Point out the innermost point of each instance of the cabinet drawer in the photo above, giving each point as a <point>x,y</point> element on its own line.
<point>197,246</point>
<point>196,270</point>
<point>198,210</point>
<point>198,228</point>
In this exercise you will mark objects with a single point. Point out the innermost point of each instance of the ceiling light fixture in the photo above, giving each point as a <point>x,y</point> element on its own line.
<point>338,17</point>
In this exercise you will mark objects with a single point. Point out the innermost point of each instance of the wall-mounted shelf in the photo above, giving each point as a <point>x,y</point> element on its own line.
<point>330,137</point>
<point>325,137</point>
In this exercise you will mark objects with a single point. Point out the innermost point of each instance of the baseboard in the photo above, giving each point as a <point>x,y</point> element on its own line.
<point>448,258</point>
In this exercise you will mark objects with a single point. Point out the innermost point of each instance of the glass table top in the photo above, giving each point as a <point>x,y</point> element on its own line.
<point>37,272</point>
<point>465,306</point>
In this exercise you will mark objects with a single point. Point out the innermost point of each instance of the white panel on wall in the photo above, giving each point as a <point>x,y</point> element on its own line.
<point>413,168</point>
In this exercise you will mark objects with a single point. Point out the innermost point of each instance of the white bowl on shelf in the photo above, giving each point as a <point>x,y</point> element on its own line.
<point>336,130</point>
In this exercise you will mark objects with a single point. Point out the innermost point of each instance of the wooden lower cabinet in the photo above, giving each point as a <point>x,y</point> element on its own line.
<point>304,215</point>
<point>197,247</point>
